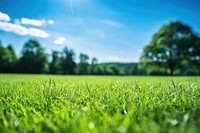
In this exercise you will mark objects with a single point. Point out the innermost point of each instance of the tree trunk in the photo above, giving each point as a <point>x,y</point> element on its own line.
<point>171,67</point>
<point>170,63</point>
<point>171,70</point>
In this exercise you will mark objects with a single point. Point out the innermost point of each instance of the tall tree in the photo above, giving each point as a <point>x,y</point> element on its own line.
<point>55,64</point>
<point>13,57</point>
<point>68,61</point>
<point>83,64</point>
<point>34,59</point>
<point>174,46</point>
<point>7,59</point>
<point>94,66</point>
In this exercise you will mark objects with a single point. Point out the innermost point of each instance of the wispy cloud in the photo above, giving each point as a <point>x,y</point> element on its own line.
<point>113,58</point>
<point>112,23</point>
<point>21,30</point>
<point>51,22</point>
<point>35,22</point>
<point>60,40</point>
<point>97,32</point>
<point>38,33</point>
<point>4,16</point>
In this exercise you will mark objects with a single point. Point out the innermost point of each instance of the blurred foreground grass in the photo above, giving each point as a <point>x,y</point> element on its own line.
<point>45,103</point>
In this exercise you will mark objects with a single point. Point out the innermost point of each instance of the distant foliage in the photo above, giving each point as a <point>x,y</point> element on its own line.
<point>83,65</point>
<point>68,63</point>
<point>33,59</point>
<point>55,64</point>
<point>7,59</point>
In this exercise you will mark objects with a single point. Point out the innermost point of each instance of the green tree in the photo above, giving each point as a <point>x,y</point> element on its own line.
<point>7,59</point>
<point>83,64</point>
<point>94,67</point>
<point>33,59</point>
<point>174,46</point>
<point>55,65</point>
<point>68,61</point>
<point>13,57</point>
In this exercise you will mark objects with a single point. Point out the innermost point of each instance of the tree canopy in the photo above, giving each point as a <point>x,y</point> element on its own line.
<point>7,58</point>
<point>68,61</point>
<point>175,47</point>
<point>33,59</point>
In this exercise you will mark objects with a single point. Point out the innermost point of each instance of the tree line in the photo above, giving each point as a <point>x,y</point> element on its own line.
<point>173,50</point>
<point>34,60</point>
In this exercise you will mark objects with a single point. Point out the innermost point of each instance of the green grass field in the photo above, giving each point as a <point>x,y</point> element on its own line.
<point>81,104</point>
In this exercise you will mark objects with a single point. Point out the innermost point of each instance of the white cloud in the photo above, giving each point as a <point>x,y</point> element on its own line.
<point>36,22</point>
<point>27,21</point>
<point>4,16</point>
<point>15,28</point>
<point>51,22</point>
<point>112,23</point>
<point>38,33</point>
<point>33,22</point>
<point>21,30</point>
<point>60,40</point>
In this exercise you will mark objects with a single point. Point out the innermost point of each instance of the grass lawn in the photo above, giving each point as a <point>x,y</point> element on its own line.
<point>105,104</point>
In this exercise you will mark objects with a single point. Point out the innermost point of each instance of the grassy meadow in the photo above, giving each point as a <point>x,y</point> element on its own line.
<point>105,104</point>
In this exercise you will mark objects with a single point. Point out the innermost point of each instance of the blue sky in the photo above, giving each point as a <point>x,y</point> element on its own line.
<point>110,30</point>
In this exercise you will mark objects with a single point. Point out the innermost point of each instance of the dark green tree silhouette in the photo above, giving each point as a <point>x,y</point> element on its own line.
<point>83,64</point>
<point>93,66</point>
<point>12,66</point>
<point>175,46</point>
<point>55,65</point>
<point>68,61</point>
<point>7,59</point>
<point>33,59</point>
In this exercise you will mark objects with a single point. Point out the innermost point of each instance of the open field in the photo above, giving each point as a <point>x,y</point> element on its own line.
<point>44,103</point>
